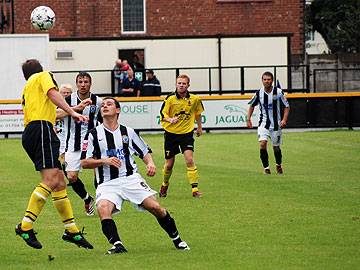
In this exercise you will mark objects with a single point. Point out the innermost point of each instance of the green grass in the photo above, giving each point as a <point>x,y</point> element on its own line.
<point>308,218</point>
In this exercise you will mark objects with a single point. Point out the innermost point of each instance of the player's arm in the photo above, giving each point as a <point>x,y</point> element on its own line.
<point>164,113</point>
<point>91,163</point>
<point>199,125</point>
<point>150,165</point>
<point>60,114</point>
<point>59,101</point>
<point>249,114</point>
<point>285,117</point>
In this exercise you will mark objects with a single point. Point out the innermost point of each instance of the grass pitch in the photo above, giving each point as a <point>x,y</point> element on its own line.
<point>308,218</point>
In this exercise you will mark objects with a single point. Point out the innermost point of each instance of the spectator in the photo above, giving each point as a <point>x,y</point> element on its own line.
<point>118,75</point>
<point>151,86</point>
<point>131,86</point>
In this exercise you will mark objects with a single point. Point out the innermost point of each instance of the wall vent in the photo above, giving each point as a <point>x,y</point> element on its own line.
<point>64,55</point>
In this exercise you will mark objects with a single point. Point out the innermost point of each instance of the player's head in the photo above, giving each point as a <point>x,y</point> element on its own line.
<point>182,83</point>
<point>83,82</point>
<point>65,90</point>
<point>110,107</point>
<point>267,79</point>
<point>30,67</point>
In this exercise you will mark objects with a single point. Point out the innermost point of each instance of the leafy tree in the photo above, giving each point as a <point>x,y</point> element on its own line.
<point>338,21</point>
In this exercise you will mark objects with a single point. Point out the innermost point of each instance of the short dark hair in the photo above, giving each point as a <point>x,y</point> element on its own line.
<point>30,67</point>
<point>83,74</point>
<point>269,74</point>
<point>117,103</point>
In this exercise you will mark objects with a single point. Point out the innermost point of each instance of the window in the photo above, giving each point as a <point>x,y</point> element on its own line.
<point>133,16</point>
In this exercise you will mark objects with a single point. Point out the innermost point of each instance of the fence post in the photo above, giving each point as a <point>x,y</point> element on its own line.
<point>307,78</point>
<point>314,83</point>
<point>210,81</point>
<point>112,83</point>
<point>219,64</point>
<point>242,82</point>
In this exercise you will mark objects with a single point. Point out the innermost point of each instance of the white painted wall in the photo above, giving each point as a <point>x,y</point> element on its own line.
<point>170,53</point>
<point>15,50</point>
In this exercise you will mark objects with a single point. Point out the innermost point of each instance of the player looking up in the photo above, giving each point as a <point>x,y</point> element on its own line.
<point>110,148</point>
<point>39,100</point>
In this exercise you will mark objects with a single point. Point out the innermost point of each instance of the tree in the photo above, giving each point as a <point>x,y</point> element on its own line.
<point>338,21</point>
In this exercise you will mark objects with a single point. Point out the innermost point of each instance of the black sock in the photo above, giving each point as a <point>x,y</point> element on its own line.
<point>278,155</point>
<point>79,188</point>
<point>110,231</point>
<point>169,226</point>
<point>264,158</point>
<point>194,185</point>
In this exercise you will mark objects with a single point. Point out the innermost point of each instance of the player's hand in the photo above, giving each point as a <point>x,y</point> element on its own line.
<point>199,132</point>
<point>79,117</point>
<point>174,120</point>
<point>150,169</point>
<point>85,102</point>
<point>113,161</point>
<point>283,123</point>
<point>248,123</point>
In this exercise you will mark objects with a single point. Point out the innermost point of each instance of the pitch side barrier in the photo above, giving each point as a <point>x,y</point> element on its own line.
<point>308,110</point>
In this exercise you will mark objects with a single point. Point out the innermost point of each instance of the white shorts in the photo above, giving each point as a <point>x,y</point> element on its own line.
<point>72,161</point>
<point>131,188</point>
<point>275,136</point>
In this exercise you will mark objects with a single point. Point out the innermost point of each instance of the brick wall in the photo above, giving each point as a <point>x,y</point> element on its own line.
<point>96,18</point>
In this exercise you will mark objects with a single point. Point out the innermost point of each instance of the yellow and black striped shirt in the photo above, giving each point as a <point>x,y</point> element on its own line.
<point>36,104</point>
<point>184,108</point>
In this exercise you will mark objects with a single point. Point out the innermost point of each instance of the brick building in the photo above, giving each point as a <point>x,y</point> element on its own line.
<point>168,18</point>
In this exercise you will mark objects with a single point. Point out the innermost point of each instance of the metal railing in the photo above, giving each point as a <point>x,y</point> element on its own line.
<point>336,80</point>
<point>207,80</point>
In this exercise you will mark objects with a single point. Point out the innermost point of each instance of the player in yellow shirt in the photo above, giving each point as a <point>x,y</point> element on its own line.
<point>178,114</point>
<point>39,100</point>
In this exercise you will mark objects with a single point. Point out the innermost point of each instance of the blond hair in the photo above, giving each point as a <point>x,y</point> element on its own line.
<point>183,76</point>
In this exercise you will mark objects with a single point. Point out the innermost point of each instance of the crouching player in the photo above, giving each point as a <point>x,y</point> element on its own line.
<point>110,148</point>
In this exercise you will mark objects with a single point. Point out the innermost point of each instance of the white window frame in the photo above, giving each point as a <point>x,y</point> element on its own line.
<point>122,20</point>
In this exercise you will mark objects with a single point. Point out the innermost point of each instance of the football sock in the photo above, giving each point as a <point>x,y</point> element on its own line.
<point>194,187</point>
<point>36,203</point>
<point>79,188</point>
<point>166,176</point>
<point>169,226</point>
<point>264,158</point>
<point>63,206</point>
<point>278,155</point>
<point>88,198</point>
<point>192,175</point>
<point>110,231</point>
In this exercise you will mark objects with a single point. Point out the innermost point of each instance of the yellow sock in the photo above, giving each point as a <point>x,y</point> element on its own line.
<point>166,176</point>
<point>63,206</point>
<point>192,175</point>
<point>36,203</point>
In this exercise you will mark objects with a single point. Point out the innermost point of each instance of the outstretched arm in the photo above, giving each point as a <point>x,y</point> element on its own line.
<point>59,101</point>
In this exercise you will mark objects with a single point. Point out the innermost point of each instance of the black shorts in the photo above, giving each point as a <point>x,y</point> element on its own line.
<point>175,142</point>
<point>42,145</point>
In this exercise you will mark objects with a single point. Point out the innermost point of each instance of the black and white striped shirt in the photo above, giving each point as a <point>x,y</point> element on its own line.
<point>75,132</point>
<point>269,105</point>
<point>122,143</point>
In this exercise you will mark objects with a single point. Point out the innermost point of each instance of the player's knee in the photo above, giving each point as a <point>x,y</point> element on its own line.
<point>263,144</point>
<point>103,208</point>
<point>189,162</point>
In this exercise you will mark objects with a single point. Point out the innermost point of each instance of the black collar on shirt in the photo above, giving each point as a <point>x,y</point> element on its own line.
<point>186,96</point>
